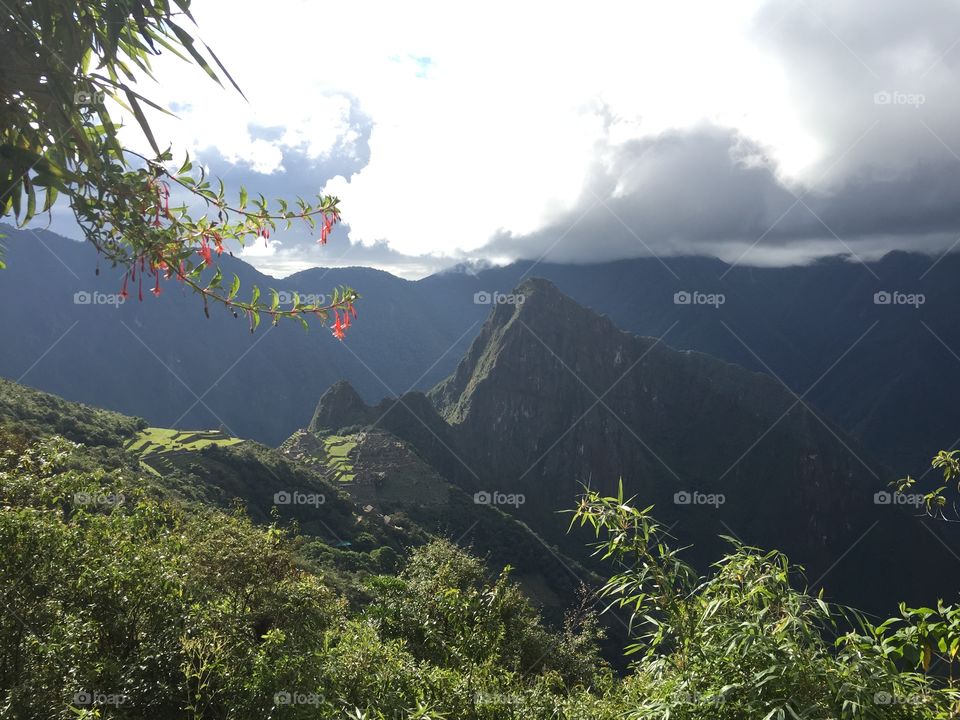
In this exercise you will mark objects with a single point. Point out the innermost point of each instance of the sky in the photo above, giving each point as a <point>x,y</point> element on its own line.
<point>765,133</point>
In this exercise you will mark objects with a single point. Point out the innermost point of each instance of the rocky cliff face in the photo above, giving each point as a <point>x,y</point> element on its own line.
<point>551,397</point>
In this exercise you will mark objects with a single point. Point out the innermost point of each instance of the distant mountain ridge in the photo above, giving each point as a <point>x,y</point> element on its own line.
<point>886,373</point>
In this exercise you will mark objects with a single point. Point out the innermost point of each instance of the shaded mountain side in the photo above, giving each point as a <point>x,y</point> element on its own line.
<point>163,360</point>
<point>551,396</point>
<point>884,370</point>
<point>389,480</point>
<point>886,373</point>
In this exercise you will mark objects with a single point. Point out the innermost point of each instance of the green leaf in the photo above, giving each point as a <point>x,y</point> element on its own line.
<point>187,41</point>
<point>224,71</point>
<point>216,280</point>
<point>31,203</point>
<point>142,120</point>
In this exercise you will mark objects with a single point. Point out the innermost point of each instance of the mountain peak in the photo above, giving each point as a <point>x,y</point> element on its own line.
<point>340,405</point>
<point>536,319</point>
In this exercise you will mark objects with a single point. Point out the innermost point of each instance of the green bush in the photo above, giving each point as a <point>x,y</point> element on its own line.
<point>121,602</point>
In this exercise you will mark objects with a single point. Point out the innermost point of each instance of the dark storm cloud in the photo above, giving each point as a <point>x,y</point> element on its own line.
<point>875,84</point>
<point>712,191</point>
<point>852,69</point>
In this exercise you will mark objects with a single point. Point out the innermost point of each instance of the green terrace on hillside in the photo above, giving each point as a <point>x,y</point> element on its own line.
<point>159,447</point>
<point>338,449</point>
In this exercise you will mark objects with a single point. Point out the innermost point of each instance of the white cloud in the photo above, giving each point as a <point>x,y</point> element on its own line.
<point>259,249</point>
<point>485,117</point>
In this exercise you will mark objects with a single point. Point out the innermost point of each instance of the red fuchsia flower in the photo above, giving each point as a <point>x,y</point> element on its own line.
<point>156,287</point>
<point>338,327</point>
<point>204,252</point>
<point>123,288</point>
<point>346,320</point>
<point>329,219</point>
<point>165,193</point>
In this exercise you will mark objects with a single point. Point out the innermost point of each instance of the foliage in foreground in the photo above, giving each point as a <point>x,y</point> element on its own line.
<point>744,643</point>
<point>121,604</point>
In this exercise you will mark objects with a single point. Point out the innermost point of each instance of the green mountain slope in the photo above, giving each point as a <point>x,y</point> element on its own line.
<point>349,496</point>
